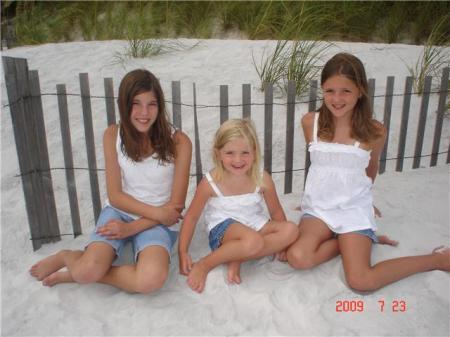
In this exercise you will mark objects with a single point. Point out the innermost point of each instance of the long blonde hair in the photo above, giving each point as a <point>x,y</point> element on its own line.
<point>231,130</point>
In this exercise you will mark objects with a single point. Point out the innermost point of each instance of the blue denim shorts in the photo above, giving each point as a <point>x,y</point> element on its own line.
<point>366,232</point>
<point>216,234</point>
<point>158,235</point>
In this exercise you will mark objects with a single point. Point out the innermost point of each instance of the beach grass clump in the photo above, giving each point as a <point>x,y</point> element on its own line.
<point>434,55</point>
<point>291,61</point>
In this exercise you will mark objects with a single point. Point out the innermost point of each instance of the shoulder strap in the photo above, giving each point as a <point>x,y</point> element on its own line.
<point>213,184</point>
<point>316,125</point>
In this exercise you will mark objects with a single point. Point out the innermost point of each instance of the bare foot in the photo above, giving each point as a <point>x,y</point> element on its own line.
<point>47,266</point>
<point>197,276</point>
<point>385,240</point>
<point>444,253</point>
<point>57,277</point>
<point>234,272</point>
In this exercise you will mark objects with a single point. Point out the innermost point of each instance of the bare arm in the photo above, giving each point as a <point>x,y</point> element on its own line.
<point>308,126</point>
<point>201,196</point>
<point>118,198</point>
<point>182,166</point>
<point>272,201</point>
<point>377,148</point>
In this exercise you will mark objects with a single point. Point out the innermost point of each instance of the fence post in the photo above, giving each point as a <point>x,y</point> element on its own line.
<point>422,121</point>
<point>90,144</point>
<point>268,123</point>
<point>404,123</point>
<point>311,107</point>
<point>289,153</point>
<point>109,101</point>
<point>43,163</point>
<point>439,117</point>
<point>387,121</point>
<point>371,88</point>
<point>198,155</point>
<point>26,127</point>
<point>176,104</point>
<point>246,101</point>
<point>223,103</point>
<point>68,158</point>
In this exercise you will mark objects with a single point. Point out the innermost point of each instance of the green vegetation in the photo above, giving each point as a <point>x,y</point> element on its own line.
<point>433,57</point>
<point>36,22</point>
<point>294,61</point>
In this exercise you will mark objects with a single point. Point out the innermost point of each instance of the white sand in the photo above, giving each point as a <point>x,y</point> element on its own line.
<point>273,299</point>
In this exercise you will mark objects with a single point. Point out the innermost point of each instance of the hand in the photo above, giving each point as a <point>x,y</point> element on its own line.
<point>115,230</point>
<point>185,262</point>
<point>169,214</point>
<point>376,212</point>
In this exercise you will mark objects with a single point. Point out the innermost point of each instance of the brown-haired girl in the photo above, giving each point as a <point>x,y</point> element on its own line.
<point>337,206</point>
<point>147,174</point>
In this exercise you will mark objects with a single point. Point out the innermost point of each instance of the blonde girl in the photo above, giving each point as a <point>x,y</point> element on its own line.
<point>232,198</point>
<point>147,173</point>
<point>338,215</point>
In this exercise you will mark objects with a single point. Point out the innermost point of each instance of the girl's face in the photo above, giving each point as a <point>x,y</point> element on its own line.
<point>144,111</point>
<point>340,95</point>
<point>237,156</point>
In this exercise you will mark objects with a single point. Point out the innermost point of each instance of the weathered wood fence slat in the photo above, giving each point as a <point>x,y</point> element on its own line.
<point>404,123</point>
<point>28,123</point>
<point>26,110</point>
<point>90,143</point>
<point>422,121</point>
<point>68,158</point>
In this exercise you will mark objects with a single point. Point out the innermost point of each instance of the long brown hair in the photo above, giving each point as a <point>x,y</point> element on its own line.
<point>160,134</point>
<point>364,128</point>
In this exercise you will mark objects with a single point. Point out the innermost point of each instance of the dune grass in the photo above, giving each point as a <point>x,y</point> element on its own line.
<point>381,21</point>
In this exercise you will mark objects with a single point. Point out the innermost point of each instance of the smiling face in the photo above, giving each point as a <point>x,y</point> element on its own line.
<point>237,156</point>
<point>144,111</point>
<point>340,95</point>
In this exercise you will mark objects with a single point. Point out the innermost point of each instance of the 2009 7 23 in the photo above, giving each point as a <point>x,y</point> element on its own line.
<point>359,305</point>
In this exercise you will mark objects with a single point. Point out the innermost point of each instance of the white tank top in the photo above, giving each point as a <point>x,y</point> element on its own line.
<point>247,209</point>
<point>149,180</point>
<point>338,190</point>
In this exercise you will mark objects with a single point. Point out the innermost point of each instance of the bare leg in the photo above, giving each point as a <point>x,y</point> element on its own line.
<point>57,277</point>
<point>355,250</point>
<point>277,236</point>
<point>147,275</point>
<point>234,272</point>
<point>239,242</point>
<point>315,244</point>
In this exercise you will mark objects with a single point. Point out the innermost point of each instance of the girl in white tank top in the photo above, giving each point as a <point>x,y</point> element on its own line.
<point>233,198</point>
<point>147,174</point>
<point>345,145</point>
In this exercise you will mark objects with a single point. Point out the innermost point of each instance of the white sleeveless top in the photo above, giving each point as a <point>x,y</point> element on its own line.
<point>149,180</point>
<point>247,209</point>
<point>338,190</point>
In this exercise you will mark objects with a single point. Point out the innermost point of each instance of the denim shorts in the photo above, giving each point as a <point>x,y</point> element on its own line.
<point>158,235</point>
<point>216,234</point>
<point>366,232</point>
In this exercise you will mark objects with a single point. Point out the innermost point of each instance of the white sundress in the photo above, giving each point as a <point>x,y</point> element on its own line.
<point>338,190</point>
<point>248,209</point>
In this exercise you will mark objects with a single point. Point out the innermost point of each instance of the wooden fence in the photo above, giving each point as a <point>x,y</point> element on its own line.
<point>26,110</point>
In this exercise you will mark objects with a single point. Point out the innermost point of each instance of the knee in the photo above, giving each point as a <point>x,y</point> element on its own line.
<point>147,282</point>
<point>253,244</point>
<point>299,258</point>
<point>360,281</point>
<point>90,271</point>
<point>290,232</point>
